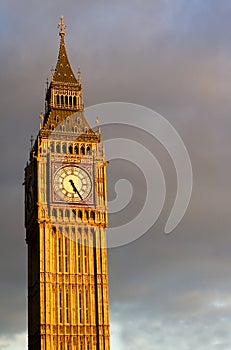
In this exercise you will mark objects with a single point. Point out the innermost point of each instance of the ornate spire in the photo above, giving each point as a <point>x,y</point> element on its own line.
<point>63,72</point>
<point>64,95</point>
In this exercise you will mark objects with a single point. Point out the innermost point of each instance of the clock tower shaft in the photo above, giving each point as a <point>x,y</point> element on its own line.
<point>66,220</point>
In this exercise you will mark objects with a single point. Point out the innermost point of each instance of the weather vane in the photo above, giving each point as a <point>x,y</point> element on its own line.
<point>62,26</point>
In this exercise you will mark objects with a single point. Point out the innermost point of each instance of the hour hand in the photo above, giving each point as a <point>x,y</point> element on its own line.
<point>75,189</point>
<point>73,185</point>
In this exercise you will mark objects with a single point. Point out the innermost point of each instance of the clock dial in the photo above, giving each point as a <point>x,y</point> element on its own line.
<point>72,184</point>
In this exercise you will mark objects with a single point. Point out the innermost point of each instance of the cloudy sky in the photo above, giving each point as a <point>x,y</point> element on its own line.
<point>172,56</point>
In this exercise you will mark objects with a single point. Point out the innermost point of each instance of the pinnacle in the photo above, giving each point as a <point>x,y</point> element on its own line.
<point>63,72</point>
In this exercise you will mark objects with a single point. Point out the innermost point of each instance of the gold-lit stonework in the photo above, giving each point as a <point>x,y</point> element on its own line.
<point>65,219</point>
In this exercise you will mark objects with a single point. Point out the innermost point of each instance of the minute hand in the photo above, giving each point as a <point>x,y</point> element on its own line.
<point>75,189</point>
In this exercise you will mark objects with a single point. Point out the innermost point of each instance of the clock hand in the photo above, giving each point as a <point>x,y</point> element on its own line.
<point>78,194</point>
<point>73,185</point>
<point>75,189</point>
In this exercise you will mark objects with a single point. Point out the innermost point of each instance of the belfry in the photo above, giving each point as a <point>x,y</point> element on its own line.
<point>66,220</point>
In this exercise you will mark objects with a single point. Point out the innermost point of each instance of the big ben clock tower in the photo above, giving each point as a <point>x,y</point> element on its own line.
<point>65,219</point>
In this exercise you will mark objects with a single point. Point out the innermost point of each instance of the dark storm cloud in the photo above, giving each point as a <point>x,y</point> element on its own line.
<point>174,57</point>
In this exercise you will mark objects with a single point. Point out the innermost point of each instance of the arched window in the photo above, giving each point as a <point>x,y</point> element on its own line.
<point>80,214</point>
<point>62,100</point>
<point>64,148</point>
<point>73,214</point>
<point>79,255</point>
<point>82,149</point>
<point>66,100</point>
<point>67,311</point>
<point>67,214</point>
<point>92,215</point>
<point>85,255</point>
<point>54,212</point>
<point>66,251</point>
<point>80,307</point>
<point>58,148</point>
<point>70,100</point>
<point>88,149</point>
<point>57,99</point>
<point>52,148</point>
<point>70,149</point>
<point>60,311</point>
<point>87,215</point>
<point>77,149</point>
<point>74,100</point>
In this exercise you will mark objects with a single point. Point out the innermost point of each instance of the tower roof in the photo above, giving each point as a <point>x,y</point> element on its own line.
<point>63,72</point>
<point>64,95</point>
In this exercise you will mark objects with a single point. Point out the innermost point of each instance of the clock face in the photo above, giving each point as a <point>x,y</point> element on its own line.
<point>72,183</point>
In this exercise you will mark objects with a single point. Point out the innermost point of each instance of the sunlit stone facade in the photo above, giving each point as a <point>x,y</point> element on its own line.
<point>65,219</point>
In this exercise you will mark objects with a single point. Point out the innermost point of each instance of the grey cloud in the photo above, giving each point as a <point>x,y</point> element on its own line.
<point>170,332</point>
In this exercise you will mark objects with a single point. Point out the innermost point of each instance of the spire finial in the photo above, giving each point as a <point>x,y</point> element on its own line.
<point>62,26</point>
<point>52,71</point>
<point>47,84</point>
<point>41,119</point>
<point>31,141</point>
<point>79,76</point>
